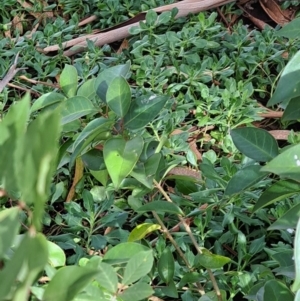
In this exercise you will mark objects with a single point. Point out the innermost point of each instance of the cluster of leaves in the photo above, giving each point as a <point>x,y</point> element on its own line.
<point>119,139</point>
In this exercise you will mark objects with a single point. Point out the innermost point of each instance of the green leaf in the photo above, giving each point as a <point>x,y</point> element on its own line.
<point>255,143</point>
<point>107,76</point>
<point>87,89</point>
<point>76,107</point>
<point>136,292</point>
<point>21,271</point>
<point>288,220</point>
<point>290,30</point>
<point>68,80</point>
<point>211,261</point>
<point>12,128</point>
<point>138,266</point>
<point>100,175</point>
<point>276,291</point>
<point>118,96</point>
<point>161,207</point>
<point>292,111</point>
<point>96,130</point>
<point>244,178</point>
<point>120,157</point>
<point>9,228</point>
<point>296,284</point>
<point>57,257</point>
<point>288,86</point>
<point>140,231</point>
<point>145,172</point>
<point>166,266</point>
<point>68,282</point>
<point>124,251</point>
<point>47,100</point>
<point>39,162</point>
<point>107,277</point>
<point>151,17</point>
<point>287,164</point>
<point>278,191</point>
<point>142,111</point>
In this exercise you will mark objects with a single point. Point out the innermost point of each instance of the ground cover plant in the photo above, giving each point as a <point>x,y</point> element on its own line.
<point>148,173</point>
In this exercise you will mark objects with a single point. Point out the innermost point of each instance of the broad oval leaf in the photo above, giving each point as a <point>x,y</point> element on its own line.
<point>68,282</point>
<point>120,157</point>
<point>278,191</point>
<point>211,261</point>
<point>244,178</point>
<point>118,96</point>
<point>136,292</point>
<point>140,231</point>
<point>290,30</point>
<point>107,277</point>
<point>138,266</point>
<point>287,164</point>
<point>143,111</point>
<point>161,206</point>
<point>46,100</point>
<point>68,80</point>
<point>276,291</point>
<point>124,251</point>
<point>76,107</point>
<point>166,266</point>
<point>292,111</point>
<point>288,86</point>
<point>107,76</point>
<point>87,89</point>
<point>57,257</point>
<point>287,221</point>
<point>255,143</point>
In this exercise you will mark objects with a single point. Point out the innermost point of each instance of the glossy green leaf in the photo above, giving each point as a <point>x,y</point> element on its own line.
<point>292,111</point>
<point>68,282</point>
<point>98,128</point>
<point>278,191</point>
<point>255,143</point>
<point>87,89</point>
<point>75,108</point>
<point>124,251</point>
<point>142,111</point>
<point>290,30</point>
<point>287,164</point>
<point>276,291</point>
<point>120,157</point>
<point>136,292</point>
<point>118,96</point>
<point>170,290</point>
<point>161,206</point>
<point>107,277</point>
<point>57,257</point>
<point>288,220</point>
<point>138,266</point>
<point>140,231</point>
<point>104,79</point>
<point>145,172</point>
<point>166,266</point>
<point>9,228</point>
<point>46,100</point>
<point>68,80</point>
<point>288,86</point>
<point>296,284</point>
<point>211,261</point>
<point>244,178</point>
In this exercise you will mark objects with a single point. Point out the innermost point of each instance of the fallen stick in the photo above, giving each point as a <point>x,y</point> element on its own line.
<point>121,32</point>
